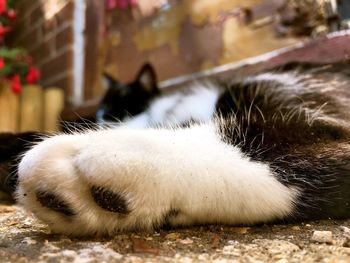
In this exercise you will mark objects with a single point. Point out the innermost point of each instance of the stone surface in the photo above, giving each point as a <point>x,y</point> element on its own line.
<point>322,237</point>
<point>24,239</point>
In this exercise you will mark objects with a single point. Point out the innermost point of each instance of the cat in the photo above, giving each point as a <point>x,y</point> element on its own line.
<point>141,103</point>
<point>273,147</point>
<point>131,98</point>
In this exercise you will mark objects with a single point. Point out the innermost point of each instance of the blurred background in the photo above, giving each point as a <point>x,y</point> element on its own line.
<point>53,52</point>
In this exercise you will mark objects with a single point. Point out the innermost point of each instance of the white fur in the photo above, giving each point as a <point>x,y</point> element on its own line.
<point>285,78</point>
<point>157,170</point>
<point>196,103</point>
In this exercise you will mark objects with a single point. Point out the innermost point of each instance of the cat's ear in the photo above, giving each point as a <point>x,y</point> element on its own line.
<point>147,79</point>
<point>107,81</point>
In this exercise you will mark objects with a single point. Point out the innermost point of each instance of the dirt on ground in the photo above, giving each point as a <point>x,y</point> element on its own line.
<point>24,239</point>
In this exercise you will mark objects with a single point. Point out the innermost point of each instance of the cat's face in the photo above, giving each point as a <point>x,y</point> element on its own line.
<point>123,101</point>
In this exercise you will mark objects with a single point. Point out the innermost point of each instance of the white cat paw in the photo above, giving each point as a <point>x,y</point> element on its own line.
<point>113,180</point>
<point>93,184</point>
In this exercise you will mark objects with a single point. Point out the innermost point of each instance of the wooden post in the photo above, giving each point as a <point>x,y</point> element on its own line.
<point>53,106</point>
<point>9,109</point>
<point>94,57</point>
<point>31,108</point>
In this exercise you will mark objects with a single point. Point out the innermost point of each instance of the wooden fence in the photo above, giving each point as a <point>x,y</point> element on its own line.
<point>34,109</point>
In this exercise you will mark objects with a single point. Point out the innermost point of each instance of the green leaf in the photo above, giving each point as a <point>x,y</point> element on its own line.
<point>12,53</point>
<point>6,71</point>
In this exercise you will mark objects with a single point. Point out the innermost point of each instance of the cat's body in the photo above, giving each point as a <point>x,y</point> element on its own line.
<point>12,146</point>
<point>271,147</point>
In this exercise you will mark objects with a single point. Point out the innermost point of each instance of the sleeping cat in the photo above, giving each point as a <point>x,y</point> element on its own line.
<point>131,98</point>
<point>141,104</point>
<point>266,148</point>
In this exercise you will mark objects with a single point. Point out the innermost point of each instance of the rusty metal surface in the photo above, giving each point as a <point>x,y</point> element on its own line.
<point>332,48</point>
<point>190,36</point>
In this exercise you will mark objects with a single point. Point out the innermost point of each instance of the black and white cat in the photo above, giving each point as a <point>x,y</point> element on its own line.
<point>270,147</point>
<point>141,104</point>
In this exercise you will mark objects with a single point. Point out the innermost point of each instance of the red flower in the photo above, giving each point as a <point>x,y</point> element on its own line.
<point>11,14</point>
<point>2,6</point>
<point>122,4</point>
<point>133,3</point>
<point>4,30</point>
<point>2,63</point>
<point>33,75</point>
<point>16,84</point>
<point>111,4</point>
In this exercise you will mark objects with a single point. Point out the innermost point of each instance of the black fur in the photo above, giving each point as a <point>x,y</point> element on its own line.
<point>272,125</point>
<point>121,101</point>
<point>11,147</point>
<point>54,202</point>
<point>110,201</point>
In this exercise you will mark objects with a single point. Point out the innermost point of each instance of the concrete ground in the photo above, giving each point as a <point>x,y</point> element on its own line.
<point>24,239</point>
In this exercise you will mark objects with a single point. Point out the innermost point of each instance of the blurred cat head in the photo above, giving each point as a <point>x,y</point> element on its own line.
<point>122,101</point>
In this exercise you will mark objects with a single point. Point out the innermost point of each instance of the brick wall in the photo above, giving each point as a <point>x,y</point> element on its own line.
<point>45,29</point>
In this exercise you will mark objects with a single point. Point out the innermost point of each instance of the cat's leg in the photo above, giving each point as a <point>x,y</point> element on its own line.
<point>105,181</point>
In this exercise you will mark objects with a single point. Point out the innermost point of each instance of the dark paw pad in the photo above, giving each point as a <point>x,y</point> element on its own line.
<point>109,200</point>
<point>54,203</point>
